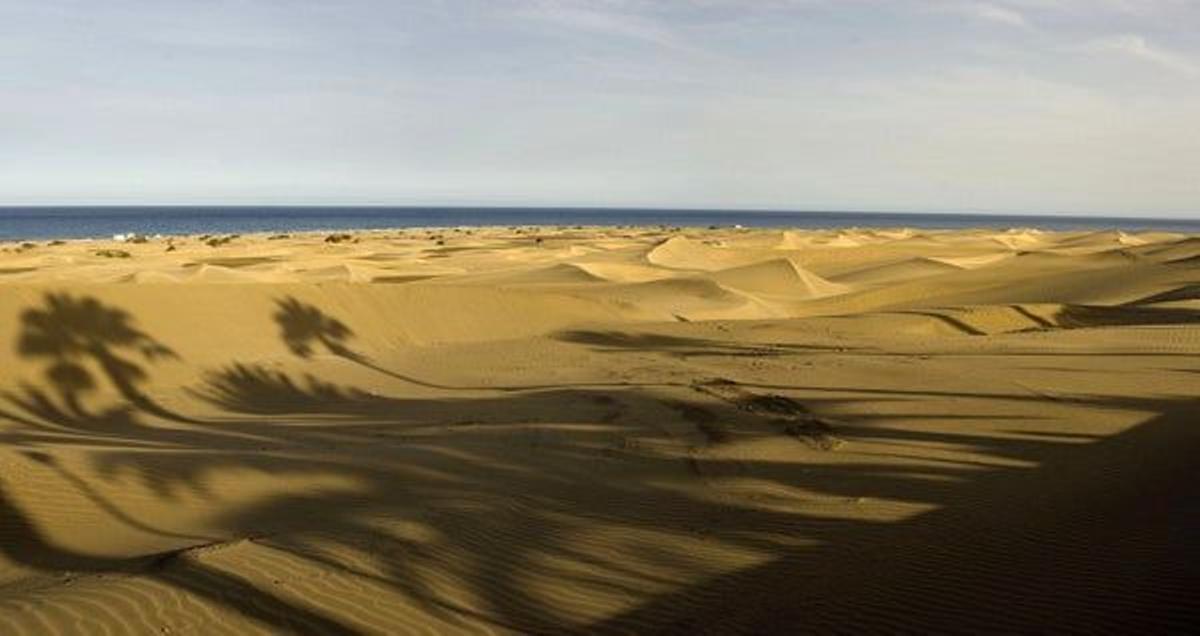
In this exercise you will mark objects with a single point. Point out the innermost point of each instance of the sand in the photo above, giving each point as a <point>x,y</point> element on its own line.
<point>516,430</point>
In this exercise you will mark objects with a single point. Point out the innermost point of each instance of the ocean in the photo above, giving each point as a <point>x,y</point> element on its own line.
<point>19,223</point>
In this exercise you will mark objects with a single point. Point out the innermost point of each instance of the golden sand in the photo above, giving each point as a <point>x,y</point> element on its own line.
<point>608,430</point>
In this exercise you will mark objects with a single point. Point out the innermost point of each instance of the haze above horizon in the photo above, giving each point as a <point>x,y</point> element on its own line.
<point>1010,106</point>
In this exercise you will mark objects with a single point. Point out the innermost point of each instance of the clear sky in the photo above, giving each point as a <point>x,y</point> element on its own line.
<point>1059,106</point>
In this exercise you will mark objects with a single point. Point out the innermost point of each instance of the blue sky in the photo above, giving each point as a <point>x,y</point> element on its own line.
<point>1061,106</point>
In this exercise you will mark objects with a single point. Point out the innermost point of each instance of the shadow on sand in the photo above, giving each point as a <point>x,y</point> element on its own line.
<point>1099,535</point>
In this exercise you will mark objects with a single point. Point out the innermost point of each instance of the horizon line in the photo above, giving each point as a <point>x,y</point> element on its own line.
<point>1182,216</point>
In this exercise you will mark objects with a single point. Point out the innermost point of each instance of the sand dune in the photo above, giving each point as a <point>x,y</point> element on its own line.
<point>905,270</point>
<point>972,261</point>
<point>680,252</point>
<point>1018,239</point>
<point>621,272</point>
<point>779,277</point>
<point>553,430</point>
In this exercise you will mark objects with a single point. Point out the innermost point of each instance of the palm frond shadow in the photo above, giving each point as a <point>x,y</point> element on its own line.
<point>479,471</point>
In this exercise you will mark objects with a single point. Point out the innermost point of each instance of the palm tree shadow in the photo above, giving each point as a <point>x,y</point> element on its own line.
<point>70,415</point>
<point>464,478</point>
<point>72,333</point>
<point>305,329</point>
<point>25,544</point>
<point>254,389</point>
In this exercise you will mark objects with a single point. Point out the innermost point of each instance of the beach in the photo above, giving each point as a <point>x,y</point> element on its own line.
<point>610,430</point>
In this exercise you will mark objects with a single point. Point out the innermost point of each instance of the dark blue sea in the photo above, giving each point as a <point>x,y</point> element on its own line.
<point>81,222</point>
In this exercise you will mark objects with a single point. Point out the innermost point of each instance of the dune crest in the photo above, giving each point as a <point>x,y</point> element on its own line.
<point>780,277</point>
<point>680,252</point>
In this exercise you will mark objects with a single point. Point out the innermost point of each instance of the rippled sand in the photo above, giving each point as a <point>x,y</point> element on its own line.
<point>609,430</point>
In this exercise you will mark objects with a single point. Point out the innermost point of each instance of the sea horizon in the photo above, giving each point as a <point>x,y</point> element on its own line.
<point>32,222</point>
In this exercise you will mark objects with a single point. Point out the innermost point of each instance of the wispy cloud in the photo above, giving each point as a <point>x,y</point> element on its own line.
<point>1128,7</point>
<point>610,19</point>
<point>1136,46</point>
<point>995,13</point>
<point>1024,104</point>
<point>973,10</point>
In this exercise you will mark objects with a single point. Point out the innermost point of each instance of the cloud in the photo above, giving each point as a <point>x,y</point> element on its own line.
<point>978,11</point>
<point>593,18</point>
<point>994,13</point>
<point>1137,47</point>
<point>1140,7</point>
<point>1018,105</point>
